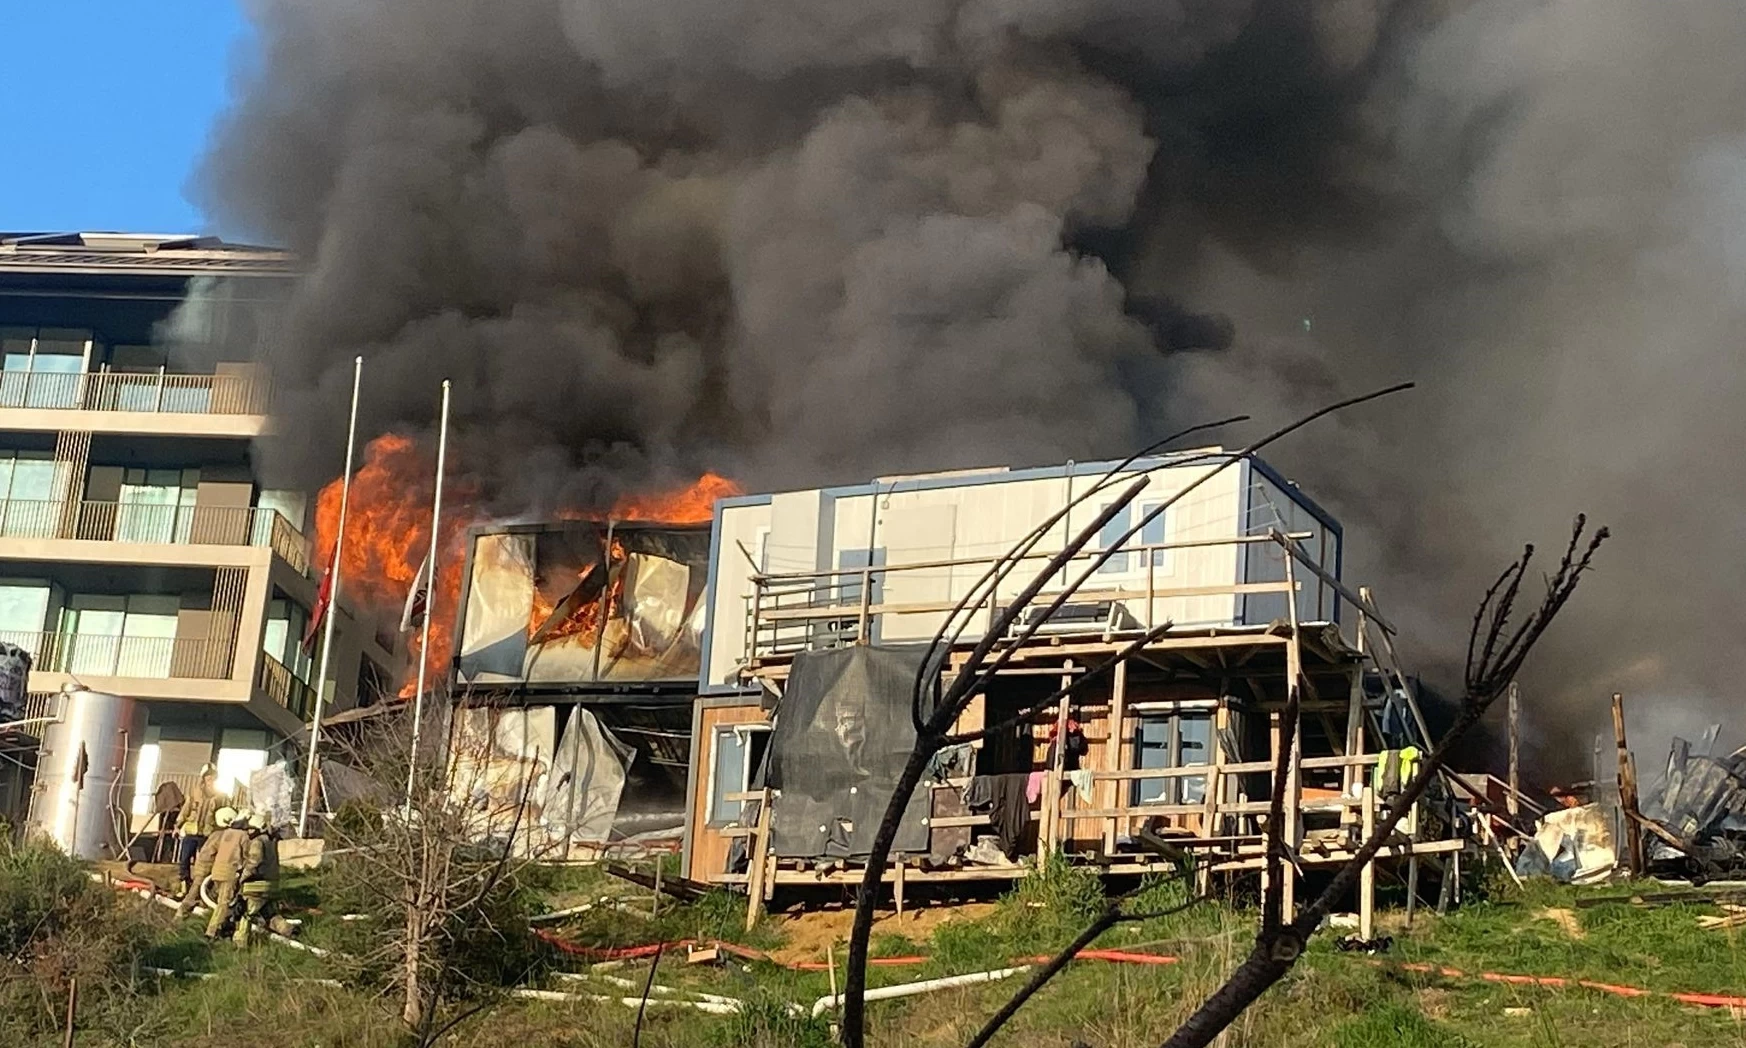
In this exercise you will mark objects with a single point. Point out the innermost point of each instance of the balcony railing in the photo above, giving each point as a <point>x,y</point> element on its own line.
<point>151,391</point>
<point>153,523</point>
<point>105,655</point>
<point>283,687</point>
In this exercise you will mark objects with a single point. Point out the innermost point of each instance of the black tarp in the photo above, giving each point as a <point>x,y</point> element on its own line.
<point>842,735</point>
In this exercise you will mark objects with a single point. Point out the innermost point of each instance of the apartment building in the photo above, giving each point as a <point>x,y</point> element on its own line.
<point>139,553</point>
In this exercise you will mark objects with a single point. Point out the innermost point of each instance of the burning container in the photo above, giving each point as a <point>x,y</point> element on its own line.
<point>584,604</point>
<point>87,760</point>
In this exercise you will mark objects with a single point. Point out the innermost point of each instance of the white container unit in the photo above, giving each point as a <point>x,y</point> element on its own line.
<point>969,517</point>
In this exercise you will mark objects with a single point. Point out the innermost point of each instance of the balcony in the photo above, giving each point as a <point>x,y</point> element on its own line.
<point>279,684</point>
<point>148,658</point>
<point>155,392</point>
<point>155,524</point>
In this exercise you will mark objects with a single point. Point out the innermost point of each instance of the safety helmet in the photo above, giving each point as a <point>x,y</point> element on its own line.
<point>225,815</point>
<point>258,821</point>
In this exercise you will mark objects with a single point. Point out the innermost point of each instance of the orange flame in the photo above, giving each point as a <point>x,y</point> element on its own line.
<point>388,535</point>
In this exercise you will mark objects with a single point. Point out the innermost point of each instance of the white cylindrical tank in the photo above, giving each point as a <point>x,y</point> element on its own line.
<point>99,735</point>
<point>14,681</point>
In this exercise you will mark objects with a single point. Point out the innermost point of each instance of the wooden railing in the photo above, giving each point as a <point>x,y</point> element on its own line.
<point>794,611</point>
<point>146,391</point>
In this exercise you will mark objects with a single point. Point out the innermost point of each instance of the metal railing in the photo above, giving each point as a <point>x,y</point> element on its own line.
<point>155,523</point>
<point>108,655</point>
<point>794,611</point>
<point>282,686</point>
<point>148,391</point>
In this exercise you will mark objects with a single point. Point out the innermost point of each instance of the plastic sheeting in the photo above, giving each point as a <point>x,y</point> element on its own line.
<point>586,782</point>
<point>1572,846</point>
<point>273,789</point>
<point>842,735</point>
<point>535,597</point>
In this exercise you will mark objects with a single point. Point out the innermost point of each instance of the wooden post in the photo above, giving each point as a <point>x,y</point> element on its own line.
<point>1367,876</point>
<point>756,867</point>
<point>72,1010</point>
<point>1292,832</point>
<point>1628,788</point>
<point>1117,752</point>
<point>897,888</point>
<point>1352,774</point>
<point>1412,888</point>
<point>1051,799</point>
<point>1512,803</point>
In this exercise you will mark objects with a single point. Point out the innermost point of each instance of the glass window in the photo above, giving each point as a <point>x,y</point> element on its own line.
<point>92,625</point>
<point>145,777</point>
<point>1153,534</point>
<point>157,505</point>
<point>1109,537</point>
<point>738,749</point>
<point>148,634</point>
<point>23,613</point>
<point>30,482</point>
<point>1181,740</point>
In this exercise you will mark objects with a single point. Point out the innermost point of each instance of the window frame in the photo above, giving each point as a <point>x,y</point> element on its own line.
<point>715,817</point>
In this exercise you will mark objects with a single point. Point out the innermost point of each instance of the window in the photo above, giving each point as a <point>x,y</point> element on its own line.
<point>23,612</point>
<point>31,485</point>
<point>1152,533</point>
<point>738,750</point>
<point>287,504</point>
<point>283,639</point>
<point>1109,537</point>
<point>41,367</point>
<point>121,636</point>
<point>157,505</point>
<point>1180,740</point>
<point>146,772</point>
<point>241,752</point>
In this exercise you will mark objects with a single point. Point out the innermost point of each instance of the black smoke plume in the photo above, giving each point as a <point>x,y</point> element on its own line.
<point>807,240</point>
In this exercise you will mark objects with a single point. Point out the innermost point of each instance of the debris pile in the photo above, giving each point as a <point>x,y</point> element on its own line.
<point>1696,816</point>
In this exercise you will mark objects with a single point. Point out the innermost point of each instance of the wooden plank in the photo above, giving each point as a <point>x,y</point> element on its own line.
<point>757,870</point>
<point>1512,800</point>
<point>1367,876</point>
<point>1627,787</point>
<point>1118,751</point>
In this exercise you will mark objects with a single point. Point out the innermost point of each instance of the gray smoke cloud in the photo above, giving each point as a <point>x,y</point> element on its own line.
<point>811,241</point>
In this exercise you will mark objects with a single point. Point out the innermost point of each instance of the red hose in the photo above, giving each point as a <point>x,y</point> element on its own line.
<point>1707,1000</point>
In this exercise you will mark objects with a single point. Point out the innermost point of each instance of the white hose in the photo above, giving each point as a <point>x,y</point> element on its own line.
<point>630,1002</point>
<point>927,986</point>
<point>657,988</point>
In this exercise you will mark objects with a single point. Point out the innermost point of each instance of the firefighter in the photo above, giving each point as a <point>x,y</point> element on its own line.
<point>202,864</point>
<point>196,824</point>
<point>1394,769</point>
<point>259,875</point>
<point>229,856</point>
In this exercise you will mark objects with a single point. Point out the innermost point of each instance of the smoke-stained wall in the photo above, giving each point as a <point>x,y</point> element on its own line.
<point>814,240</point>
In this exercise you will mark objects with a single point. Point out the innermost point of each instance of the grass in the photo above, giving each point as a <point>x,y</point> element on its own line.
<point>1332,999</point>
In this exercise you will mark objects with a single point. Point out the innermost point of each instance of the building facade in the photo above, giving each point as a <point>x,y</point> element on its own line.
<point>140,554</point>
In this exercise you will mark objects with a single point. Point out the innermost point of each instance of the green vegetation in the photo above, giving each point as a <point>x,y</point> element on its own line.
<point>55,922</point>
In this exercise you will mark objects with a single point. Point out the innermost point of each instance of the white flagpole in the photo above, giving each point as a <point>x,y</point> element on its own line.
<point>333,591</point>
<point>430,563</point>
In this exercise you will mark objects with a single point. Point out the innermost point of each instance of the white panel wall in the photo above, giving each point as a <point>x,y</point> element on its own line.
<point>922,520</point>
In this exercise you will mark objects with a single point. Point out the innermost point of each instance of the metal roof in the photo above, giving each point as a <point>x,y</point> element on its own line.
<point>141,253</point>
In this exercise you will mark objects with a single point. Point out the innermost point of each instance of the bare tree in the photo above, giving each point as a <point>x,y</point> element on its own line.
<point>935,712</point>
<point>1496,649</point>
<point>435,872</point>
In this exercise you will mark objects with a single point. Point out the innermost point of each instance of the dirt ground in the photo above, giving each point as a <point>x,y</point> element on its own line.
<point>808,935</point>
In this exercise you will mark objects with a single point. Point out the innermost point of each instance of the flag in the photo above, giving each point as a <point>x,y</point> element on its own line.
<point>323,597</point>
<point>417,601</point>
<point>81,767</point>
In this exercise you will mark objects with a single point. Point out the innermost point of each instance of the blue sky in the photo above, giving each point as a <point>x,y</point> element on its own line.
<point>105,107</point>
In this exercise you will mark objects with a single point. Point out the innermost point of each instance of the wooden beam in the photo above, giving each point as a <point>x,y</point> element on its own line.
<point>1512,800</point>
<point>1627,786</point>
